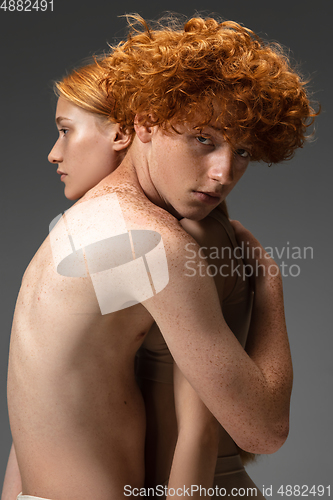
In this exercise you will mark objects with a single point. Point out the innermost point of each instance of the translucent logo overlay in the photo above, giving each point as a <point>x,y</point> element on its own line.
<point>126,266</point>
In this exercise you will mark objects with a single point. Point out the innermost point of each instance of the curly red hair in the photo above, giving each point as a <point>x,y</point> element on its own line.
<point>191,72</point>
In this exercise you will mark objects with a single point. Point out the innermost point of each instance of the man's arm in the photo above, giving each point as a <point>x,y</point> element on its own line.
<point>267,342</point>
<point>12,485</point>
<point>232,386</point>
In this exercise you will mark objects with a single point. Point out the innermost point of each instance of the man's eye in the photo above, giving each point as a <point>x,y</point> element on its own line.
<point>63,131</point>
<point>243,153</point>
<point>204,140</point>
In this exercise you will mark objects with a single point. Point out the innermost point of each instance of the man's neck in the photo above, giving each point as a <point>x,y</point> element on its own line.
<point>134,171</point>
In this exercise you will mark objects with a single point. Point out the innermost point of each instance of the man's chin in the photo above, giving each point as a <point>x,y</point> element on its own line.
<point>195,214</point>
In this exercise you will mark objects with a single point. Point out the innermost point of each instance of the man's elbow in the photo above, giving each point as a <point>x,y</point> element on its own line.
<point>267,441</point>
<point>278,437</point>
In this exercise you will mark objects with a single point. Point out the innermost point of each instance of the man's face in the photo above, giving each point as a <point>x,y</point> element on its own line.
<point>83,151</point>
<point>192,172</point>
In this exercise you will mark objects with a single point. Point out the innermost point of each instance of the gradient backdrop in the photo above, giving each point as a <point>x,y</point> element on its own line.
<point>285,206</point>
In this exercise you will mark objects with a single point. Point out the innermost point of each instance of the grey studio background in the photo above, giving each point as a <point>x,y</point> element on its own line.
<point>284,206</point>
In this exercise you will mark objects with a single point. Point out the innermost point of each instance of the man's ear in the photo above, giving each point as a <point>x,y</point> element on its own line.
<point>120,139</point>
<point>143,130</point>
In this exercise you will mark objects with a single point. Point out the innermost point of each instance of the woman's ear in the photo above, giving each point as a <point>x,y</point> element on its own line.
<point>121,140</point>
<point>143,130</point>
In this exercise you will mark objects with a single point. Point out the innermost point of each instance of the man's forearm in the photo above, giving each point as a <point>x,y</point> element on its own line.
<point>268,343</point>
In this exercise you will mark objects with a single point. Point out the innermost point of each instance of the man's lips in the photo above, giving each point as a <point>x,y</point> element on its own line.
<point>210,197</point>
<point>211,193</point>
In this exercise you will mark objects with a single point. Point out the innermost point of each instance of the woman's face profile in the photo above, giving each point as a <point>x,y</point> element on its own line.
<point>84,149</point>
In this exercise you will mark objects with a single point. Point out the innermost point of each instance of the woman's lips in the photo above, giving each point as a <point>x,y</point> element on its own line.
<point>62,174</point>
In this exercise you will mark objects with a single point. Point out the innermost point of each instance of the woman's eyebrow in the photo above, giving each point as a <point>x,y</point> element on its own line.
<point>61,118</point>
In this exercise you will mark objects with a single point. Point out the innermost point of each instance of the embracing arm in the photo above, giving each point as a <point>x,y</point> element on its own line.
<point>234,388</point>
<point>267,343</point>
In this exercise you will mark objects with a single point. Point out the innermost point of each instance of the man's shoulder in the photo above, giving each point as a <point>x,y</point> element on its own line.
<point>126,205</point>
<point>121,215</point>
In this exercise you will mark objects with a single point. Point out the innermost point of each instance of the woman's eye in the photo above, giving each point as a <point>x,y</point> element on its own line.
<point>243,153</point>
<point>63,131</point>
<point>204,140</point>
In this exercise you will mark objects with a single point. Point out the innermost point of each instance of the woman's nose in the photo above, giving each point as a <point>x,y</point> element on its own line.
<point>55,155</point>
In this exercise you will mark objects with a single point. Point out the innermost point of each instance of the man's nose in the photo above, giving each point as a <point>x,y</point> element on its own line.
<point>55,155</point>
<point>222,169</point>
